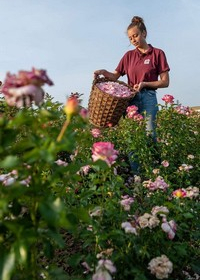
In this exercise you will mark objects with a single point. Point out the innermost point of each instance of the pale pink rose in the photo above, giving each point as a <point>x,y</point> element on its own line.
<point>96,132</point>
<point>104,151</point>
<point>24,96</point>
<point>87,267</point>
<point>90,228</point>
<point>85,169</point>
<point>26,181</point>
<point>34,77</point>
<point>126,202</point>
<point>156,171</point>
<point>161,267</point>
<point>108,264</point>
<point>168,99</point>
<point>128,228</point>
<point>103,270</point>
<point>160,210</point>
<point>185,167</point>
<point>25,87</point>
<point>9,181</point>
<point>137,179</point>
<point>165,163</point>
<point>159,183</point>
<point>170,228</point>
<point>61,162</point>
<point>96,212</point>
<point>148,220</point>
<point>190,156</point>
<point>183,110</point>
<point>192,192</point>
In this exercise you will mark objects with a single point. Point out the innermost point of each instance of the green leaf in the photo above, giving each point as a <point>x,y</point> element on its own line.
<point>8,266</point>
<point>9,162</point>
<point>188,215</point>
<point>75,259</point>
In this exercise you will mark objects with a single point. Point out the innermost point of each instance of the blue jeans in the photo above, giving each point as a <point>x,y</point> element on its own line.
<point>146,101</point>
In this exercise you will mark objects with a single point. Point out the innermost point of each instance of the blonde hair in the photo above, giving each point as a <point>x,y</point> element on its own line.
<point>139,22</point>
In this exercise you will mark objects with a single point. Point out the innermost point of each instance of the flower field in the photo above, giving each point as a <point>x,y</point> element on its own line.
<point>72,208</point>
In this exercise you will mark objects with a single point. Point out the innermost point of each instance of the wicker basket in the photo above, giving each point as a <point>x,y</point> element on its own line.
<point>105,109</point>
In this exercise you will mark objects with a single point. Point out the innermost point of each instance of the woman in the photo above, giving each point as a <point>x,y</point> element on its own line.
<point>146,68</point>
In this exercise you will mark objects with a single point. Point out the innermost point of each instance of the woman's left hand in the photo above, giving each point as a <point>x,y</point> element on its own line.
<point>139,87</point>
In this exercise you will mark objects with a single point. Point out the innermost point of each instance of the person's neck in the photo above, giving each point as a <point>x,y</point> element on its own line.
<point>144,48</point>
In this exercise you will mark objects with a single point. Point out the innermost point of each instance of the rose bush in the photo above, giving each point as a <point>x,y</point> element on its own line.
<point>59,174</point>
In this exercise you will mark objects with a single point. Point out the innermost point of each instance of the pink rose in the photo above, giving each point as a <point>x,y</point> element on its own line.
<point>104,151</point>
<point>24,96</point>
<point>165,163</point>
<point>168,99</point>
<point>96,132</point>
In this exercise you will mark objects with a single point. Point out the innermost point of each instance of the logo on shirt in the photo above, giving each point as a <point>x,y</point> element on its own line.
<point>147,61</point>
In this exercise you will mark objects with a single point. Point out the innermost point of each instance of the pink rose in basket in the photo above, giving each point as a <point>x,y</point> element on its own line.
<point>115,89</point>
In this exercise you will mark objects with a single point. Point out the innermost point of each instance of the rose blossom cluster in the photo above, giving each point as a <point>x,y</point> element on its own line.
<point>169,227</point>
<point>11,177</point>
<point>169,99</point>
<point>148,220</point>
<point>115,89</point>
<point>104,151</point>
<point>151,221</point>
<point>25,87</point>
<point>185,167</point>
<point>132,113</point>
<point>189,192</point>
<point>183,110</point>
<point>161,267</point>
<point>159,183</point>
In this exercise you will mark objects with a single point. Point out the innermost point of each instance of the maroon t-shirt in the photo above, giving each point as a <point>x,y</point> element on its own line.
<point>141,67</point>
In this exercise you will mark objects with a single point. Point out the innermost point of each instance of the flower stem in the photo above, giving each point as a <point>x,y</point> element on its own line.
<point>65,125</point>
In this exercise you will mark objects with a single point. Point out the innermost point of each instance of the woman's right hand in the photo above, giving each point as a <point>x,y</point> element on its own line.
<point>109,75</point>
<point>99,72</point>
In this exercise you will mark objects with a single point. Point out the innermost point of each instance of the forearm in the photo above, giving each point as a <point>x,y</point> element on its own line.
<point>111,76</point>
<point>156,84</point>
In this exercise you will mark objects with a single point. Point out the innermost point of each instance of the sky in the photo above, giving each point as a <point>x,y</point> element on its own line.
<point>70,39</point>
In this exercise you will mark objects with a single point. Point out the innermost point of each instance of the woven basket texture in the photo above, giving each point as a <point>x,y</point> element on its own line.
<point>105,109</point>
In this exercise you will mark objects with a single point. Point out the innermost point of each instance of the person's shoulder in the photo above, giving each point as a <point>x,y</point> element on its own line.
<point>130,53</point>
<point>156,50</point>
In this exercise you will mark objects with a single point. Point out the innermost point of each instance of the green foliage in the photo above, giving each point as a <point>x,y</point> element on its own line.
<point>40,198</point>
